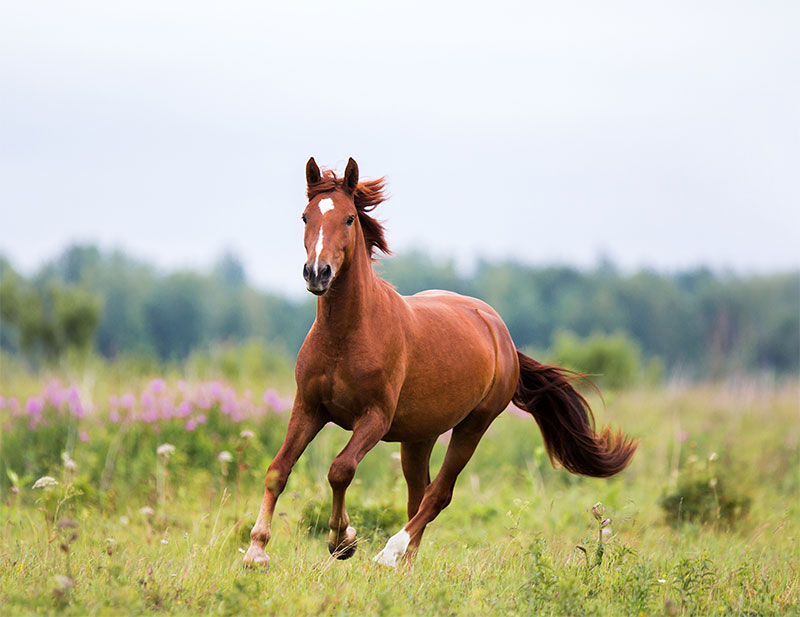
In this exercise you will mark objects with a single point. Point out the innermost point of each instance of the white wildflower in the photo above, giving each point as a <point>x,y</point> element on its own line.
<point>396,456</point>
<point>63,585</point>
<point>225,457</point>
<point>147,511</point>
<point>44,482</point>
<point>68,462</point>
<point>247,434</point>
<point>165,450</point>
<point>713,457</point>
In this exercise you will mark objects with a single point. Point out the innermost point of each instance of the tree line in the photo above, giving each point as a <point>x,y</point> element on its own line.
<point>699,321</point>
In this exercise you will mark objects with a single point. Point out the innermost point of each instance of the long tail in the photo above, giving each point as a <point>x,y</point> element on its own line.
<point>567,423</point>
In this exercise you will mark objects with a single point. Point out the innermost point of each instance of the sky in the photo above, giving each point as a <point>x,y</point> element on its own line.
<point>654,134</point>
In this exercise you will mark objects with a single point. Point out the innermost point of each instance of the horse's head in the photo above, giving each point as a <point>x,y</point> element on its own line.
<point>331,220</point>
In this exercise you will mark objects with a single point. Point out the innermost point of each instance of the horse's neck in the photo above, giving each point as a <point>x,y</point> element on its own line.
<point>351,299</point>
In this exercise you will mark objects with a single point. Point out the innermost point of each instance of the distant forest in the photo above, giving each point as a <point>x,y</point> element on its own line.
<point>699,322</point>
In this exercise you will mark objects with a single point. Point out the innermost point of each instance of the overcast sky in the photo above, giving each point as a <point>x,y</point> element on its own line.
<point>661,134</point>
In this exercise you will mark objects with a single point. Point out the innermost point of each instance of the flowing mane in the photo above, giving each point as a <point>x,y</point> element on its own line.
<point>367,196</point>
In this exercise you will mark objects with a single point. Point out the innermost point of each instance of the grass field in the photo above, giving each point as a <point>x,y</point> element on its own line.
<point>706,520</point>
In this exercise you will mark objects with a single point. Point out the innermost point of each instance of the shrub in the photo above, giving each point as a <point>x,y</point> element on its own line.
<point>615,359</point>
<point>702,496</point>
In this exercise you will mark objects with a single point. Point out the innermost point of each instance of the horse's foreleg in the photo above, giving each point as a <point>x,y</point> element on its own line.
<point>438,494</point>
<point>303,427</point>
<point>415,458</point>
<point>367,431</point>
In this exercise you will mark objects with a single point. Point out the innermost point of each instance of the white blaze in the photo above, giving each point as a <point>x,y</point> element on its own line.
<point>318,250</point>
<point>395,548</point>
<point>325,205</point>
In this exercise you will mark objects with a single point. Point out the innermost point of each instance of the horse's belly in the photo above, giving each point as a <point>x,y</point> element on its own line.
<point>446,378</point>
<point>438,413</point>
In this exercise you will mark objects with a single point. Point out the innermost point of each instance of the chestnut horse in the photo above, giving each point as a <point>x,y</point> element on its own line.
<point>407,369</point>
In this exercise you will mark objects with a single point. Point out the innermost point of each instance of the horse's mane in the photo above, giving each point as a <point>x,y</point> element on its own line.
<point>367,196</point>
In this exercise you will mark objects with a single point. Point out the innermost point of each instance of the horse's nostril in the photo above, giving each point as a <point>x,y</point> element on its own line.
<point>306,272</point>
<point>325,272</point>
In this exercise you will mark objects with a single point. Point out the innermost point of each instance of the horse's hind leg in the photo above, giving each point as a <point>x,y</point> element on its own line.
<point>438,494</point>
<point>415,458</point>
<point>367,431</point>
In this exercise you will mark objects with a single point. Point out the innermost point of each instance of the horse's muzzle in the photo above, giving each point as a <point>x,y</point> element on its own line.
<point>318,279</point>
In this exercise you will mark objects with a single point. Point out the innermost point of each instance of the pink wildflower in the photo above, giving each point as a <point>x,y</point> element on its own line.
<point>157,386</point>
<point>74,401</point>
<point>228,406</point>
<point>55,393</point>
<point>272,399</point>
<point>128,401</point>
<point>34,407</point>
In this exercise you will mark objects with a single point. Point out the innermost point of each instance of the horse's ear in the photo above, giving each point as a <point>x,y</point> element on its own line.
<point>312,172</point>
<point>350,177</point>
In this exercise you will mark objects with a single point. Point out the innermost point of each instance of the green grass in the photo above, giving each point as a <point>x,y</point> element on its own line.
<point>506,545</point>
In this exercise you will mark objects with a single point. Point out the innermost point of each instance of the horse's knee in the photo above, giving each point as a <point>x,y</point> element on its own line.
<point>342,472</point>
<point>276,478</point>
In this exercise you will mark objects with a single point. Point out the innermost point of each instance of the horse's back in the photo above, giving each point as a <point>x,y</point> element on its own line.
<point>447,301</point>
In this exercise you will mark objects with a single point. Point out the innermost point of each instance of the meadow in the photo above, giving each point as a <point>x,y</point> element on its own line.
<point>127,493</point>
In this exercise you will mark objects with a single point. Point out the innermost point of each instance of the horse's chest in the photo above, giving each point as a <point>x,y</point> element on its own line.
<point>347,392</point>
<point>340,395</point>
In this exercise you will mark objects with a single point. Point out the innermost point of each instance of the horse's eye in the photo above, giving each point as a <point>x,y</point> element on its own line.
<point>304,219</point>
<point>350,220</point>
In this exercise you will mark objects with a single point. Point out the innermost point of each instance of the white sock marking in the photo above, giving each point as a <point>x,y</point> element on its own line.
<point>395,548</point>
<point>325,205</point>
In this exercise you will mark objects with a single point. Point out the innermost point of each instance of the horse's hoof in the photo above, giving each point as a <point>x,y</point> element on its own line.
<point>256,557</point>
<point>346,548</point>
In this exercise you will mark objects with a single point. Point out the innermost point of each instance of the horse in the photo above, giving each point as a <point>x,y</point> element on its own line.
<point>408,369</point>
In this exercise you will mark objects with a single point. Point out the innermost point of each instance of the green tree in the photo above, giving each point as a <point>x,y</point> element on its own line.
<point>177,315</point>
<point>46,321</point>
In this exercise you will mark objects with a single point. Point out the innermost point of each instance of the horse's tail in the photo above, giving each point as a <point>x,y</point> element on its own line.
<point>567,423</point>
